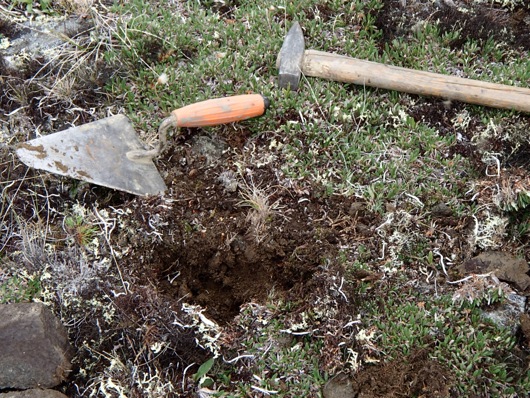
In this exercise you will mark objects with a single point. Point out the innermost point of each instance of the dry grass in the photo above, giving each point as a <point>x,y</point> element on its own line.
<point>262,208</point>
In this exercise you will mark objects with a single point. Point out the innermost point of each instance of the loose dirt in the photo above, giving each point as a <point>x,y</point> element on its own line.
<point>221,249</point>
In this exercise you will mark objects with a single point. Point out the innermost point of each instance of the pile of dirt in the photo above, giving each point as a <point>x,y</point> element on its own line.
<point>415,375</point>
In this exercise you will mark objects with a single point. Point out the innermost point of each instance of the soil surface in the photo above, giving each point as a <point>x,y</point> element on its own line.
<point>225,252</point>
<point>223,237</point>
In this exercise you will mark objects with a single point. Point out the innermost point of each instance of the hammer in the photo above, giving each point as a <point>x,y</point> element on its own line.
<point>294,59</point>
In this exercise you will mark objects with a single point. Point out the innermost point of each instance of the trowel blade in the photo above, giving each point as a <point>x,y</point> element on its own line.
<point>96,152</point>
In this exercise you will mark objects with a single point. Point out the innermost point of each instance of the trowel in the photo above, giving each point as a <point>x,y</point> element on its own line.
<point>109,153</point>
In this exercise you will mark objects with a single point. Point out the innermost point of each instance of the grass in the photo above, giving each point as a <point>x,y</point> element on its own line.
<point>19,289</point>
<point>352,141</point>
<point>79,229</point>
<point>480,353</point>
<point>337,140</point>
<point>262,210</point>
<point>33,7</point>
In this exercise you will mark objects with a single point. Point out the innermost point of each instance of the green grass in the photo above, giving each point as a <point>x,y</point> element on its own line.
<point>480,354</point>
<point>19,289</point>
<point>80,231</point>
<point>333,139</point>
<point>348,139</point>
<point>32,6</point>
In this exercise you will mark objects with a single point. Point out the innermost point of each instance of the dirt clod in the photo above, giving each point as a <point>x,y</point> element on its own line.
<point>413,376</point>
<point>505,266</point>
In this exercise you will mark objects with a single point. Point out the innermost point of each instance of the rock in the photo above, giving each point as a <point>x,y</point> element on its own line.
<point>339,386</point>
<point>41,36</point>
<point>509,269</point>
<point>228,180</point>
<point>506,267</point>
<point>33,393</point>
<point>211,148</point>
<point>508,313</point>
<point>34,347</point>
<point>441,210</point>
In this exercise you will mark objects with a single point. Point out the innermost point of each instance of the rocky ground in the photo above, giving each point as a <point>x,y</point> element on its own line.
<point>163,282</point>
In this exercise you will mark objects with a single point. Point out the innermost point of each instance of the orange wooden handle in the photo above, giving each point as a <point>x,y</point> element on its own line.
<point>220,110</point>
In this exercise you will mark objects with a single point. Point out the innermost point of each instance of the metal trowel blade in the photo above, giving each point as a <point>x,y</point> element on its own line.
<point>96,152</point>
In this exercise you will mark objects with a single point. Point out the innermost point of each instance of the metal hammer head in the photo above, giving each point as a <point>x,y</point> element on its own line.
<point>290,58</point>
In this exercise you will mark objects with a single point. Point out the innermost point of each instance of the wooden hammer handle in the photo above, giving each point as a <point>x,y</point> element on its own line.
<point>373,74</point>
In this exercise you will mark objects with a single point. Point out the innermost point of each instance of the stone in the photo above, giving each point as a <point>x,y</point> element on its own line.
<point>34,347</point>
<point>33,393</point>
<point>508,313</point>
<point>41,37</point>
<point>210,148</point>
<point>441,210</point>
<point>505,266</point>
<point>339,386</point>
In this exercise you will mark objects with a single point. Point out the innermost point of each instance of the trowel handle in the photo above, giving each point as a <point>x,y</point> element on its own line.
<point>220,111</point>
<point>207,113</point>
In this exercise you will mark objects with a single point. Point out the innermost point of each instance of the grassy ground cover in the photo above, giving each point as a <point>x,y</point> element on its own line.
<point>320,239</point>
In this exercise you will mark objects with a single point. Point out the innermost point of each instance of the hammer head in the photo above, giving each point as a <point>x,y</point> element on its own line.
<point>290,58</point>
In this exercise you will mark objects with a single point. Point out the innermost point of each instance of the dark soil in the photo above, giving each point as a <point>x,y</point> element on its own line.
<point>413,376</point>
<point>479,22</point>
<point>223,262</point>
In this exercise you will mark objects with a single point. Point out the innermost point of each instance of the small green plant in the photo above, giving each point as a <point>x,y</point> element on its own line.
<point>77,228</point>
<point>16,289</point>
<point>201,377</point>
<point>32,6</point>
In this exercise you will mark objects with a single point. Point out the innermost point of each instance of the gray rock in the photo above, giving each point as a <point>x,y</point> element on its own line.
<point>441,210</point>
<point>33,393</point>
<point>34,347</point>
<point>42,36</point>
<point>339,386</point>
<point>228,179</point>
<point>509,313</point>
<point>211,148</point>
